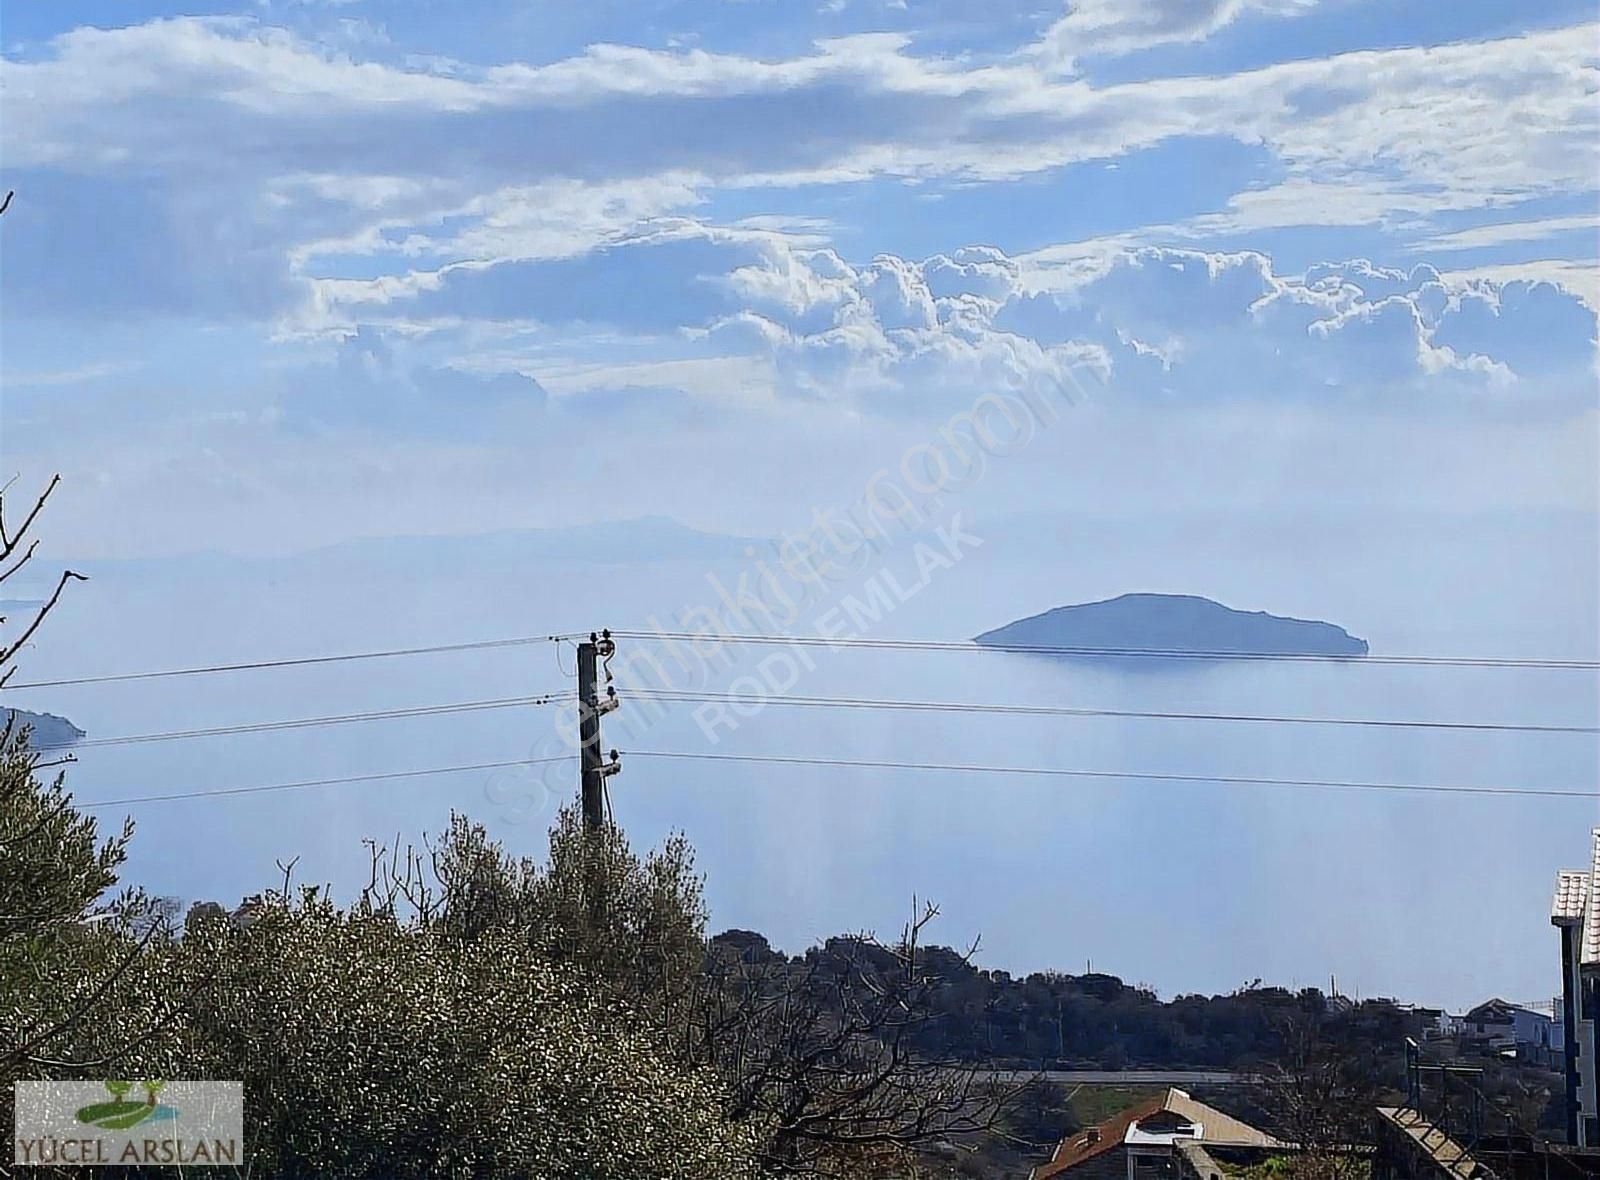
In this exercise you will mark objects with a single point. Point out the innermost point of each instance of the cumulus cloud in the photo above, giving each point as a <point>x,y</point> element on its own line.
<point>1163,322</point>
<point>1535,328</point>
<point>1142,322</point>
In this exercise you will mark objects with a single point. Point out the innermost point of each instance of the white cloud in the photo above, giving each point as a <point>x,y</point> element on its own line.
<point>1159,322</point>
<point>1501,232</point>
<point>1580,278</point>
<point>74,376</point>
<point>1121,26</point>
<point>1150,321</point>
<point>1448,126</point>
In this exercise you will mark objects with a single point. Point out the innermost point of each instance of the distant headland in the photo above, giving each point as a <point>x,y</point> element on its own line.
<point>46,730</point>
<point>1177,623</point>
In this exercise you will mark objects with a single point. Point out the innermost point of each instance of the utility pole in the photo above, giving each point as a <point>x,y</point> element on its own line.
<point>593,770</point>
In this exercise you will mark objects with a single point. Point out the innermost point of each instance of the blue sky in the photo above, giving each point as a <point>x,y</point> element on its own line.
<point>285,273</point>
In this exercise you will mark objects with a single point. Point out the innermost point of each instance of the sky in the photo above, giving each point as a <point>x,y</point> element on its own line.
<point>1312,284</point>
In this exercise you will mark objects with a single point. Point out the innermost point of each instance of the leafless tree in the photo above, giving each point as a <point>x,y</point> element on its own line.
<point>13,557</point>
<point>820,1052</point>
<point>1321,1093</point>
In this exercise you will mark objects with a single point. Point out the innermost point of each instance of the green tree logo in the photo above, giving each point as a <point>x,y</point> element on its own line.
<point>121,1113</point>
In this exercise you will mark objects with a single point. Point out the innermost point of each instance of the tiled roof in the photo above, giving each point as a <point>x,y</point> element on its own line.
<point>1572,896</point>
<point>1216,1128</point>
<point>1591,920</point>
<point>1092,1141</point>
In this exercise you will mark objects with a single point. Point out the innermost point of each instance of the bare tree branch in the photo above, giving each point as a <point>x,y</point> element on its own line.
<point>50,604</point>
<point>8,542</point>
<point>823,1051</point>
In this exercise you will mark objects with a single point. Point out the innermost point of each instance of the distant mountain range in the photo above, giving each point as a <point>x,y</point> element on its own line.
<point>1175,623</point>
<point>639,539</point>
<point>644,538</point>
<point>46,728</point>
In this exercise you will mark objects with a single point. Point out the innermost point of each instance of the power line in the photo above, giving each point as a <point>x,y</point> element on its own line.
<point>303,661</point>
<point>1073,711</point>
<point>715,637</point>
<point>1059,772</point>
<point>309,722</point>
<point>319,782</point>
<point>853,763</point>
<point>821,641</point>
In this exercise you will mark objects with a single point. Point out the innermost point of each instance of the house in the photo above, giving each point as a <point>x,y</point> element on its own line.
<point>1445,1026</point>
<point>1575,912</point>
<point>1431,1020</point>
<point>1171,1136</point>
<point>1490,1024</point>
<point>1510,1030</point>
<point>1535,1034</point>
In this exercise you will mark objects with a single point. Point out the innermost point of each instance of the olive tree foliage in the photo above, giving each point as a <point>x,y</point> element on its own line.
<point>637,923</point>
<point>67,944</point>
<point>375,1046</point>
<point>375,1041</point>
<point>815,1053</point>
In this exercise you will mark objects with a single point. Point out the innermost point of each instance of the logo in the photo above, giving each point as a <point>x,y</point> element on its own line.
<point>121,1123</point>
<point>119,1114</point>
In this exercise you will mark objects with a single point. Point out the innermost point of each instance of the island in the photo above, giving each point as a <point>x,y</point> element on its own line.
<point>1185,625</point>
<point>46,730</point>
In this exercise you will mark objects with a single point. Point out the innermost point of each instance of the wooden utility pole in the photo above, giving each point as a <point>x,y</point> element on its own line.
<point>593,770</point>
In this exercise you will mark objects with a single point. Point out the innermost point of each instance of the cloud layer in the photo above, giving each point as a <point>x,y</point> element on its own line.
<point>219,166</point>
<point>1146,322</point>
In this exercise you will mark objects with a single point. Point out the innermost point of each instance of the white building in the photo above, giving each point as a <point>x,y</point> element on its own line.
<point>1575,911</point>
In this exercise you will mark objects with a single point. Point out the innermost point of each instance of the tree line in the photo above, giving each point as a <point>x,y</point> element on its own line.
<point>1097,1021</point>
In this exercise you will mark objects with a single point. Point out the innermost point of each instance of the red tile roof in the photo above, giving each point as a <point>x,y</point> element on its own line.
<point>1092,1141</point>
<point>1216,1127</point>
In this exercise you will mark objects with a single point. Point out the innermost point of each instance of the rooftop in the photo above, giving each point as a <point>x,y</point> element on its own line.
<point>1572,896</point>
<point>1211,1127</point>
<point>1577,902</point>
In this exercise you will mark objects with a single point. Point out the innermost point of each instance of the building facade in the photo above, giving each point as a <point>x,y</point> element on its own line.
<point>1575,913</point>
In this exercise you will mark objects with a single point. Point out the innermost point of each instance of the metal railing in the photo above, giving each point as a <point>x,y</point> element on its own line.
<point>1449,1099</point>
<point>1454,1105</point>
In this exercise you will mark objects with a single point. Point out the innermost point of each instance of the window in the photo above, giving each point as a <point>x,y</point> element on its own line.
<point>1591,1131</point>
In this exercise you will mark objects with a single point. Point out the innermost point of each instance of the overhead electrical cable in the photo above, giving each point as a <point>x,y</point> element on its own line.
<point>761,700</point>
<point>296,662</point>
<point>311,722</point>
<point>220,792</point>
<point>841,642</point>
<point>1133,775</point>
